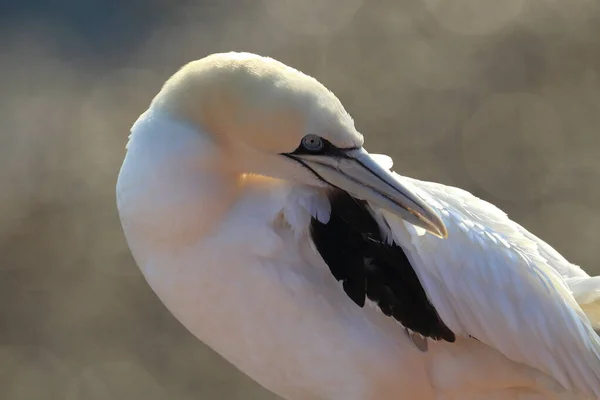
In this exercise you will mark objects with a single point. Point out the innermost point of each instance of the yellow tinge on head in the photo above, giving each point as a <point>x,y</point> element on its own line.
<point>257,100</point>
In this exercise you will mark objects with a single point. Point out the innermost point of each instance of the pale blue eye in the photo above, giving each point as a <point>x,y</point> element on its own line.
<point>312,143</point>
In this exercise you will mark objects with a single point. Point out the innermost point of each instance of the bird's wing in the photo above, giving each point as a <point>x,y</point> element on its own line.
<point>493,280</point>
<point>554,258</point>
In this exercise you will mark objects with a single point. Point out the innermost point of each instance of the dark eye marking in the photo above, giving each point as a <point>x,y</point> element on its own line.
<point>316,145</point>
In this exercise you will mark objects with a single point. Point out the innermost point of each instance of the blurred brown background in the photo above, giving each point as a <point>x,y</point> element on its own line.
<point>501,98</point>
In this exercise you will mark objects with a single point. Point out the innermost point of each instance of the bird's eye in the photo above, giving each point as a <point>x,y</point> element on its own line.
<point>313,143</point>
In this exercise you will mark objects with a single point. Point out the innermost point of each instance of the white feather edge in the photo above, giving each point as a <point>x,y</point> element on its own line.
<point>384,161</point>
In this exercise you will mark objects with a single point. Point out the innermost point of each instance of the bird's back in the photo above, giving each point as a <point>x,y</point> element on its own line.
<point>495,281</point>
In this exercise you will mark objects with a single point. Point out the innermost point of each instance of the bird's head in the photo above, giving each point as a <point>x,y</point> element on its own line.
<point>270,119</point>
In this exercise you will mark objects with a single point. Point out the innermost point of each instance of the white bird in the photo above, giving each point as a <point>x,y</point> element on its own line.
<point>246,197</point>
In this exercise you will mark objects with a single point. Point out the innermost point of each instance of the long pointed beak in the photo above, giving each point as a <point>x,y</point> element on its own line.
<point>358,174</point>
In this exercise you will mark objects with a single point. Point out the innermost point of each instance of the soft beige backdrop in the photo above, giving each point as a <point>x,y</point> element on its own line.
<point>499,97</point>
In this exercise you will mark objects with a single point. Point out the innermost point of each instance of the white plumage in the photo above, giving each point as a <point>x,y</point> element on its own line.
<point>506,287</point>
<point>217,209</point>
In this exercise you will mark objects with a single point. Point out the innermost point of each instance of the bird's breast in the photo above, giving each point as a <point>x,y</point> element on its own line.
<point>292,331</point>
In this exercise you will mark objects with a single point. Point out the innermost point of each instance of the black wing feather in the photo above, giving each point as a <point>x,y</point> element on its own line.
<point>353,247</point>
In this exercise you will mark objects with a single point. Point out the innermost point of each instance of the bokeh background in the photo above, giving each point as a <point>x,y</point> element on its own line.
<point>501,98</point>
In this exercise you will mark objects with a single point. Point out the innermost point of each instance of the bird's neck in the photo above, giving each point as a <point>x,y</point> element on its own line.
<point>170,192</point>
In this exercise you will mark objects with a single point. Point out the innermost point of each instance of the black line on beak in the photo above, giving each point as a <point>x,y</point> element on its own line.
<point>319,177</point>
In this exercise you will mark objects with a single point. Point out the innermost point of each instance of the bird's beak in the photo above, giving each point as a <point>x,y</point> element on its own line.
<point>357,173</point>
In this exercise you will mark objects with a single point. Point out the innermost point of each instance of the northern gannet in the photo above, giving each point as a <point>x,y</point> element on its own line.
<point>264,226</point>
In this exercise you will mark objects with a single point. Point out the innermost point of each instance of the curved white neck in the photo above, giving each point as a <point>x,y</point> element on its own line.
<point>169,191</point>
